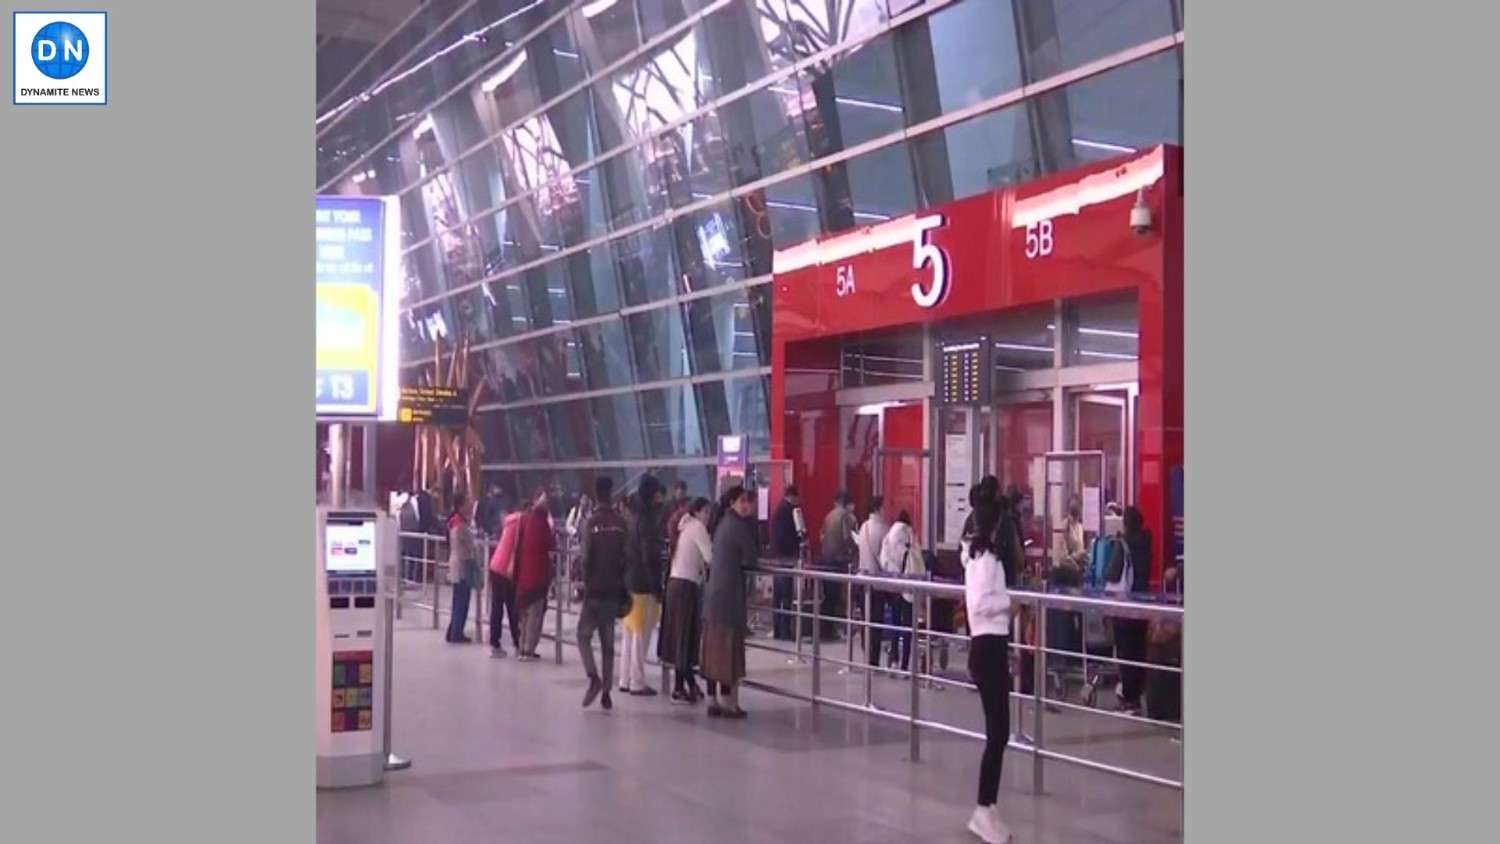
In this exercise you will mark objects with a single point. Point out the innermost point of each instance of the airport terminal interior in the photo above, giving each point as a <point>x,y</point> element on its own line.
<point>920,259</point>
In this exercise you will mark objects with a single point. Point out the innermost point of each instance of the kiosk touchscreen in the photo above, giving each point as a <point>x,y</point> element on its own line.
<point>352,551</point>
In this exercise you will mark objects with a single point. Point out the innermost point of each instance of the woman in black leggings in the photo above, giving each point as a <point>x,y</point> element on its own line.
<point>988,603</point>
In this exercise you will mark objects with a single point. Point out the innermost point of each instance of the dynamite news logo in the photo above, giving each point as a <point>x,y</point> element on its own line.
<point>59,58</point>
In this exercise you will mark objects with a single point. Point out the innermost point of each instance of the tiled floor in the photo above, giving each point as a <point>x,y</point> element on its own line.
<point>503,752</point>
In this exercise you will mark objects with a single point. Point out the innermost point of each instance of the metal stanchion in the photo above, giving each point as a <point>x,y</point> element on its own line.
<point>817,638</point>
<point>911,646</point>
<point>431,570</point>
<point>479,609</point>
<point>400,581</point>
<point>869,643</point>
<point>797,610</point>
<point>1038,691</point>
<point>849,624</point>
<point>557,637</point>
<point>392,761</point>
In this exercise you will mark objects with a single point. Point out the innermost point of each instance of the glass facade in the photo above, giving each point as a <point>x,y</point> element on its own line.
<point>591,192</point>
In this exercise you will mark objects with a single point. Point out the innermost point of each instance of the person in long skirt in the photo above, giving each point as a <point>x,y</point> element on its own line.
<point>725,619</point>
<point>690,560</point>
<point>987,602</point>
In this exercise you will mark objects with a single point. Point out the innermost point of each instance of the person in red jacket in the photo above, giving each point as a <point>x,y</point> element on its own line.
<point>503,585</point>
<point>533,574</point>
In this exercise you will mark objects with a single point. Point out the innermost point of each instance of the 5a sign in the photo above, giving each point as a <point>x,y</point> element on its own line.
<point>843,282</point>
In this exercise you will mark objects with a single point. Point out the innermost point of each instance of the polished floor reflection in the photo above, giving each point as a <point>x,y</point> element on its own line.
<point>503,752</point>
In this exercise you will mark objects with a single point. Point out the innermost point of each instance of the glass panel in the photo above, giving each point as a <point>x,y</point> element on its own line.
<point>1059,35</point>
<point>606,32</point>
<point>974,52</point>
<point>660,348</point>
<point>573,121</point>
<point>528,431</point>
<point>461,49</point>
<point>572,430</point>
<point>673,423</point>
<point>1101,427</point>
<point>617,426</point>
<point>737,406</point>
<point>625,190</point>
<point>663,87</point>
<point>880,184</point>
<point>1104,329</point>
<point>793,30</point>
<point>722,330</point>
<point>791,209</point>
<point>494,434</point>
<point>883,357</point>
<point>657,16</point>
<point>1126,109</point>
<point>976,156</point>
<point>1025,437</point>
<point>606,355</point>
<point>709,248</point>
<point>708,161</point>
<point>473,316</point>
<point>542,366</point>
<point>580,207</point>
<point>482,181</point>
<point>867,93</point>
<point>410,36</point>
<point>645,265</point>
<point>1023,337</point>
<point>593,280</point>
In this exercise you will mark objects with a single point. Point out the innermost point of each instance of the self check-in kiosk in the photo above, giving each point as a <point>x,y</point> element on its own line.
<point>356,553</point>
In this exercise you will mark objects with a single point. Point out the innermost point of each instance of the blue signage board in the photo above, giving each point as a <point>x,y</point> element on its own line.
<point>350,279</point>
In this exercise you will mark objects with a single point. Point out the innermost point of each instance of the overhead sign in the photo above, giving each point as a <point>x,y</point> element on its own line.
<point>355,351</point>
<point>1022,245</point>
<point>445,407</point>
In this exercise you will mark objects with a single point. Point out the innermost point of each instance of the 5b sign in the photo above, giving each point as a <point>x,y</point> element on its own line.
<point>60,58</point>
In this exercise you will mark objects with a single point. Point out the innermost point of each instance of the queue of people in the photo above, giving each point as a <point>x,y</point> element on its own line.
<point>686,562</point>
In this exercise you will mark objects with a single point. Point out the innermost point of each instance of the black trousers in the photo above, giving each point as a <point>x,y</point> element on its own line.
<point>900,617</point>
<point>503,604</point>
<point>782,592</point>
<point>989,666</point>
<point>1130,643</point>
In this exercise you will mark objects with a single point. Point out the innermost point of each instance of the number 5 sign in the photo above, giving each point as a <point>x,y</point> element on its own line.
<point>924,253</point>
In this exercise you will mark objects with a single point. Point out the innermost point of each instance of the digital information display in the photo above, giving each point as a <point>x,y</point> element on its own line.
<point>446,407</point>
<point>352,260</point>
<point>349,547</point>
<point>964,372</point>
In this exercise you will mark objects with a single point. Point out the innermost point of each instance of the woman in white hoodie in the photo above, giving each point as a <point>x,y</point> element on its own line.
<point>684,597</point>
<point>900,556</point>
<point>987,602</point>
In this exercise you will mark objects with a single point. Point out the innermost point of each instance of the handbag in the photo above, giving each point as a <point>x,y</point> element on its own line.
<point>625,604</point>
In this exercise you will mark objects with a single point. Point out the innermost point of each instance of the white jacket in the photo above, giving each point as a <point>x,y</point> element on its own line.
<point>901,554</point>
<point>869,539</point>
<point>985,597</point>
<point>694,550</point>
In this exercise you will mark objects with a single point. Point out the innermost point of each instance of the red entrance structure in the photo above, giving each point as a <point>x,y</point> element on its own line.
<point>1069,236</point>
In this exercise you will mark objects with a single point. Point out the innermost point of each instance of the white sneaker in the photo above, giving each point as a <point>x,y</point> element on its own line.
<point>984,823</point>
<point>1005,834</point>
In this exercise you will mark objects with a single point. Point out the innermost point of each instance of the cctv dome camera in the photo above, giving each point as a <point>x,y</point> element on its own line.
<point>1140,215</point>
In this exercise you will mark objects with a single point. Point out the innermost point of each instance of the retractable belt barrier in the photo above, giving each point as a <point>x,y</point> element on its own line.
<point>1030,612</point>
